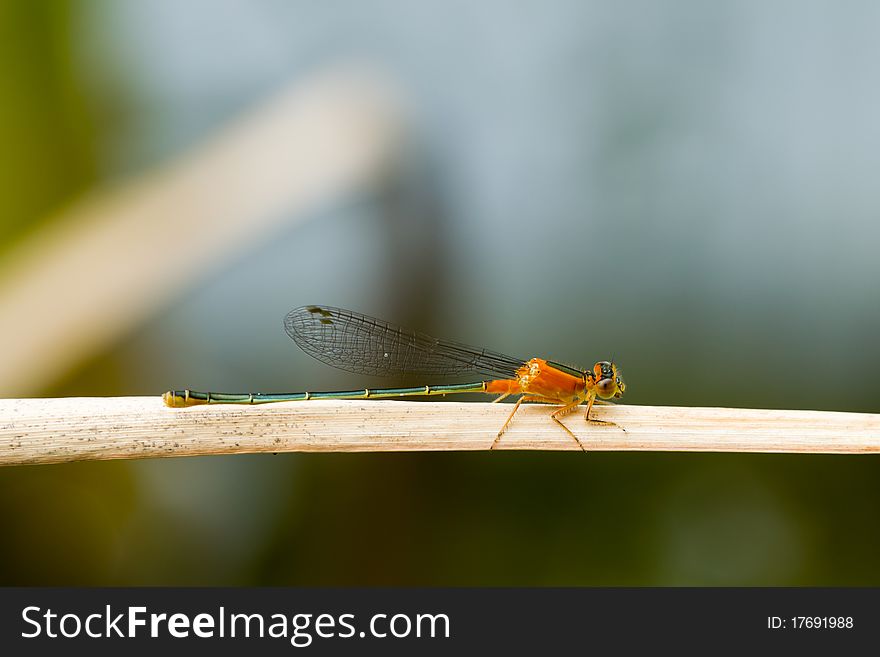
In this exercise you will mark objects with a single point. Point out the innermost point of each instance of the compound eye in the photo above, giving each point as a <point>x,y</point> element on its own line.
<point>606,388</point>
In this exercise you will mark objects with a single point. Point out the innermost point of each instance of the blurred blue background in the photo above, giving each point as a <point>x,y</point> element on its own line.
<point>689,186</point>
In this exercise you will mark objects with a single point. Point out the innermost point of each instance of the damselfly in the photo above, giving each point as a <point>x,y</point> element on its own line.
<point>365,345</point>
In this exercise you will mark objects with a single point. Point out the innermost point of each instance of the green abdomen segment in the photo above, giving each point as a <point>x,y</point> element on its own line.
<point>182,398</point>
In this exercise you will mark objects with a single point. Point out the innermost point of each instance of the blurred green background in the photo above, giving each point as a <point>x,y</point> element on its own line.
<point>689,186</point>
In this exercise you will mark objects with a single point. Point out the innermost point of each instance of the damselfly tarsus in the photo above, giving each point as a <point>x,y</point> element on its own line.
<point>365,345</point>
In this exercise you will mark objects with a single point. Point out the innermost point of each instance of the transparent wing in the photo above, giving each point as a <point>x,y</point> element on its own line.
<point>356,343</point>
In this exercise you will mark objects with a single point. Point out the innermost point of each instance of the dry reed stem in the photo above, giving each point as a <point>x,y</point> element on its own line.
<point>99,428</point>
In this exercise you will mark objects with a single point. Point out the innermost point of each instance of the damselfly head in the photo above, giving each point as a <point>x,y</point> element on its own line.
<point>609,381</point>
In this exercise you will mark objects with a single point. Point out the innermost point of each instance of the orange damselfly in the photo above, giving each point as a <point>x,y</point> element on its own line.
<point>364,345</point>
